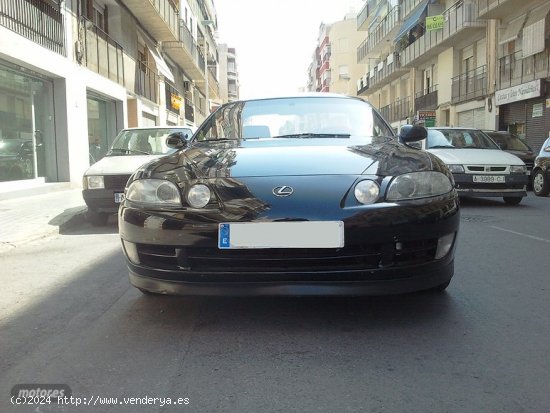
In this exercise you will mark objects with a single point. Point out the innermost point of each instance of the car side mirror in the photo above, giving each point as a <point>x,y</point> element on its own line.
<point>176,140</point>
<point>412,133</point>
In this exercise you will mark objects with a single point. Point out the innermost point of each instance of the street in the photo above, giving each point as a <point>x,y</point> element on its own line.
<point>69,316</point>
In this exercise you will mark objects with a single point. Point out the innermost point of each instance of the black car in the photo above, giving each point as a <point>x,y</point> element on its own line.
<point>511,143</point>
<point>306,195</point>
<point>541,171</point>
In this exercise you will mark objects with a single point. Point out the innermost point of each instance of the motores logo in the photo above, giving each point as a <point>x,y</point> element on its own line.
<point>40,390</point>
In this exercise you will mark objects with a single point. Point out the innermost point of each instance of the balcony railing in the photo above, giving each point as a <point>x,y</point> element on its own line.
<point>469,85</point>
<point>389,71</point>
<point>381,30</point>
<point>146,82</point>
<point>101,53</point>
<point>365,13</point>
<point>185,52</point>
<point>515,70</point>
<point>36,20</point>
<point>171,92</point>
<point>493,9</point>
<point>426,99</point>
<point>458,17</point>
<point>407,6</point>
<point>399,110</point>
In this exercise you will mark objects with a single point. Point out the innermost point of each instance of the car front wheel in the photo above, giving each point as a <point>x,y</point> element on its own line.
<point>512,200</point>
<point>541,185</point>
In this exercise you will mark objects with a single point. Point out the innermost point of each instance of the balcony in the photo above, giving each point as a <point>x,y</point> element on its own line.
<point>497,9</point>
<point>363,85</point>
<point>364,16</point>
<point>213,86</point>
<point>426,99</point>
<point>158,17</point>
<point>397,111</point>
<point>36,20</point>
<point>513,70</point>
<point>386,72</point>
<point>461,26</point>
<point>147,83</point>
<point>186,54</point>
<point>189,111</point>
<point>470,85</point>
<point>173,98</point>
<point>407,6</point>
<point>386,29</point>
<point>100,53</point>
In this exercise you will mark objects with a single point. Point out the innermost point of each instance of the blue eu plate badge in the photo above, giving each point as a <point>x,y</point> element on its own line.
<point>224,236</point>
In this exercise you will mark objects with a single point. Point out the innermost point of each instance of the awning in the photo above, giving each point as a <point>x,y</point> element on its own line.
<point>538,14</point>
<point>511,31</point>
<point>412,20</point>
<point>159,61</point>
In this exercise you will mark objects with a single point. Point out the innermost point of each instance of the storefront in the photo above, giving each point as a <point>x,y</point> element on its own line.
<point>525,110</point>
<point>28,148</point>
<point>102,125</point>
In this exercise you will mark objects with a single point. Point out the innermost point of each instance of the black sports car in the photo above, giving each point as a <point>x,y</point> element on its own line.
<point>304,195</point>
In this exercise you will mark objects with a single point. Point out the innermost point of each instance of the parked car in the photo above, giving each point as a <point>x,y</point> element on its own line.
<point>480,168</point>
<point>16,159</point>
<point>541,171</point>
<point>104,182</point>
<point>311,194</point>
<point>511,143</point>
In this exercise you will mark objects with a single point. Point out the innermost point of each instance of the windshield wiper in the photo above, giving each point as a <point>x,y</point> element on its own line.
<point>127,151</point>
<point>310,135</point>
<point>441,146</point>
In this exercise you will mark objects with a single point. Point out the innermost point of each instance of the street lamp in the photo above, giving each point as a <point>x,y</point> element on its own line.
<point>205,48</point>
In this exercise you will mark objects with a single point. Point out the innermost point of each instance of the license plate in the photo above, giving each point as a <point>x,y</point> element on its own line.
<point>490,179</point>
<point>303,234</point>
<point>119,197</point>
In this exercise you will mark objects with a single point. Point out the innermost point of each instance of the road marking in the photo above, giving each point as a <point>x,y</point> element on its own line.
<point>522,234</point>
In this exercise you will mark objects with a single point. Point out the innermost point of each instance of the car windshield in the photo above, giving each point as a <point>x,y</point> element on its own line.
<point>459,139</point>
<point>144,141</point>
<point>276,121</point>
<point>508,142</point>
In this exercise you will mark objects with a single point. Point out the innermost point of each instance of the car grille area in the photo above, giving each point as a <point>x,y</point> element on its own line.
<point>269,262</point>
<point>117,182</point>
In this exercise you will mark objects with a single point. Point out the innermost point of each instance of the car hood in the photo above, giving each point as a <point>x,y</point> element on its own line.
<point>476,156</point>
<point>119,165</point>
<point>234,160</point>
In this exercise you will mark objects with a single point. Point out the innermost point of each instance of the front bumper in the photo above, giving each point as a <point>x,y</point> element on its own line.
<point>514,186</point>
<point>101,200</point>
<point>388,250</point>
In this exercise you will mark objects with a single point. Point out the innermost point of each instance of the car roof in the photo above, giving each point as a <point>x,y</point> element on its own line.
<point>451,128</point>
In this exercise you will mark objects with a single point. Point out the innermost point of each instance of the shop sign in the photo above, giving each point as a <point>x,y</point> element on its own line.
<point>435,22</point>
<point>427,117</point>
<point>537,110</point>
<point>516,93</point>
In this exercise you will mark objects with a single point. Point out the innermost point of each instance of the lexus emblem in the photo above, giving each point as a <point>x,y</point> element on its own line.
<point>283,191</point>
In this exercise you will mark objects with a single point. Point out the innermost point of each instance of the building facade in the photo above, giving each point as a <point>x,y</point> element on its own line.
<point>471,63</point>
<point>229,74</point>
<point>73,73</point>
<point>333,65</point>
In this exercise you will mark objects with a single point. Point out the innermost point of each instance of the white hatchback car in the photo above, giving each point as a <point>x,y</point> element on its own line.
<point>104,181</point>
<point>479,167</point>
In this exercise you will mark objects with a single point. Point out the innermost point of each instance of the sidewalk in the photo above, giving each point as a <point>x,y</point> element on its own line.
<point>31,217</point>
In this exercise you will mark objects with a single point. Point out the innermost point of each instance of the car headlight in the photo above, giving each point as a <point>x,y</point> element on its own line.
<point>154,192</point>
<point>367,192</point>
<point>94,182</point>
<point>456,169</point>
<point>198,196</point>
<point>418,185</point>
<point>518,169</point>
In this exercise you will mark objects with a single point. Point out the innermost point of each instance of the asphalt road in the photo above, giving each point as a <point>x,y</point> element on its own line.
<point>68,315</point>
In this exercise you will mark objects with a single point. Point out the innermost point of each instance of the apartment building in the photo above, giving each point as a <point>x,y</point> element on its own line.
<point>75,72</point>
<point>229,74</point>
<point>333,65</point>
<point>463,62</point>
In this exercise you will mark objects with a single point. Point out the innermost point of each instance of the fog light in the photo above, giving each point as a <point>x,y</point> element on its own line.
<point>444,245</point>
<point>131,251</point>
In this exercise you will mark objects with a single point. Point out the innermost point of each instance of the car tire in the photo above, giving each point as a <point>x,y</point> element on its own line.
<point>512,200</point>
<point>98,219</point>
<point>541,185</point>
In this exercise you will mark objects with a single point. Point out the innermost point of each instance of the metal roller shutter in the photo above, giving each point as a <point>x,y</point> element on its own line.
<point>537,127</point>
<point>472,118</point>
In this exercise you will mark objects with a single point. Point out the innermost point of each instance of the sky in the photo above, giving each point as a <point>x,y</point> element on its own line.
<point>275,40</point>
